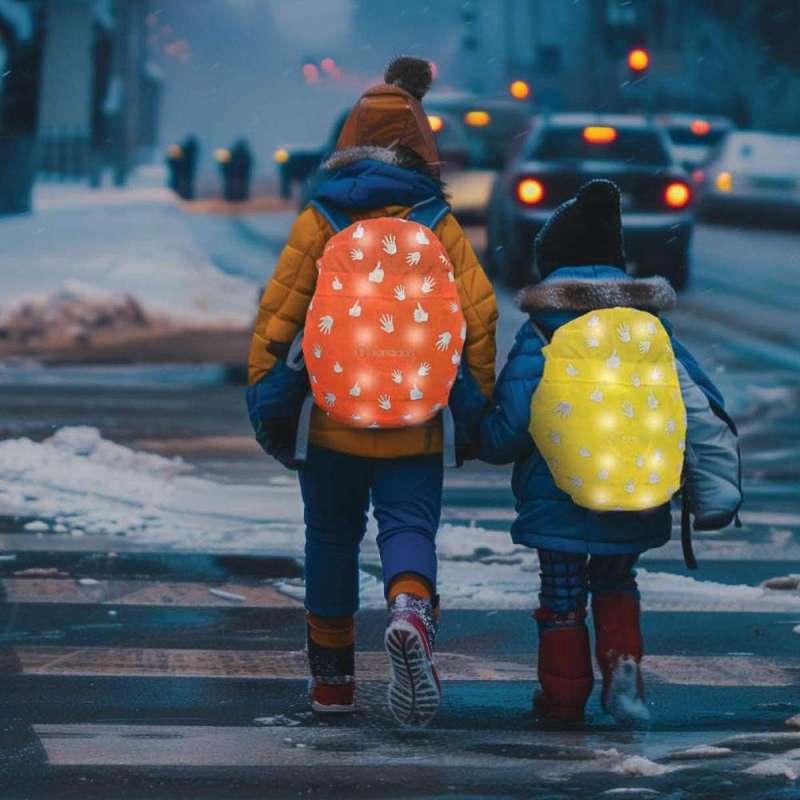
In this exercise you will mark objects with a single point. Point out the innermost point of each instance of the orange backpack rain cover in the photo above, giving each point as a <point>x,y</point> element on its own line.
<point>384,331</point>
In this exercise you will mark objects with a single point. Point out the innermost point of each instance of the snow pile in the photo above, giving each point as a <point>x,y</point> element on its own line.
<point>639,766</point>
<point>793,722</point>
<point>74,313</point>
<point>700,751</point>
<point>782,582</point>
<point>775,768</point>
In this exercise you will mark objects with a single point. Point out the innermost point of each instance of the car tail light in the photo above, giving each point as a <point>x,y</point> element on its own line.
<point>530,191</point>
<point>698,176</point>
<point>700,127</point>
<point>677,195</point>
<point>724,181</point>
<point>477,119</point>
<point>436,123</point>
<point>599,134</point>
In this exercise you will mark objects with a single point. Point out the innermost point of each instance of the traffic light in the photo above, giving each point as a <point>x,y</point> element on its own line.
<point>519,89</point>
<point>638,60</point>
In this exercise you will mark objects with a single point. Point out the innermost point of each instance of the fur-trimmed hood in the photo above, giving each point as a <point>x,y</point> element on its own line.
<point>341,158</point>
<point>588,288</point>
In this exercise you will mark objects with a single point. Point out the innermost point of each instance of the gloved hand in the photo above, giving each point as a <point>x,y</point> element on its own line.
<point>277,437</point>
<point>468,406</point>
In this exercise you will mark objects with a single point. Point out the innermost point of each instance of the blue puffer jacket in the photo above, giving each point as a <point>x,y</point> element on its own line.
<point>548,517</point>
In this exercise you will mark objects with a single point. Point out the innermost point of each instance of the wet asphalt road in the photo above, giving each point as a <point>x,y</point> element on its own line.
<point>140,681</point>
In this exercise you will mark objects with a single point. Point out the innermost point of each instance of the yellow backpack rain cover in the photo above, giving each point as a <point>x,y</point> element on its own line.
<point>608,415</point>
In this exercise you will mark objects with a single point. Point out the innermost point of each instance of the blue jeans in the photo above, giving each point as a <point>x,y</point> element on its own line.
<point>406,494</point>
<point>567,578</point>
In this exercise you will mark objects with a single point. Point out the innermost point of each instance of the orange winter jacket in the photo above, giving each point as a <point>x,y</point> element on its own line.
<point>282,313</point>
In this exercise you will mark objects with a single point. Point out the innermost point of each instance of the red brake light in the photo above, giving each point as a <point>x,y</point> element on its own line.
<point>677,195</point>
<point>700,127</point>
<point>599,134</point>
<point>530,191</point>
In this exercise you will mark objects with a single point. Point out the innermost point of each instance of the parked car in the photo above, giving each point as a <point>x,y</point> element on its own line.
<point>561,153</point>
<point>474,134</point>
<point>756,176</point>
<point>693,138</point>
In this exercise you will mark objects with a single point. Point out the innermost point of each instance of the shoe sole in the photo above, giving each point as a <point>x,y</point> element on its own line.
<point>413,692</point>
<point>321,708</point>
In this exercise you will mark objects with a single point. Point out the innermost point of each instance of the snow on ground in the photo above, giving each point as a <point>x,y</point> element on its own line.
<point>126,243</point>
<point>78,482</point>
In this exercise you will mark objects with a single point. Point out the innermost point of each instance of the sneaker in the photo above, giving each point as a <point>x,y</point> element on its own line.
<point>414,689</point>
<point>329,697</point>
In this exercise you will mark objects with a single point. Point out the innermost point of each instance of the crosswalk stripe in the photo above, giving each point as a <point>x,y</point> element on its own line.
<point>719,671</point>
<point>146,593</point>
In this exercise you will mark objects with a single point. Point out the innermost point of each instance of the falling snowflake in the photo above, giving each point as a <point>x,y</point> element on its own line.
<point>389,243</point>
<point>376,276</point>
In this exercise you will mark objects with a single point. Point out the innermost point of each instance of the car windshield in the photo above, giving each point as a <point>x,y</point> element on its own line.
<point>484,146</point>
<point>563,143</point>
<point>681,135</point>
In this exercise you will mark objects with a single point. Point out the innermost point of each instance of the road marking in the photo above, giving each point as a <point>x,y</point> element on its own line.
<point>143,593</point>
<point>679,670</point>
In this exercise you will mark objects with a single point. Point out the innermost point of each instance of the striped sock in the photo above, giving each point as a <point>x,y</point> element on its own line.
<point>331,651</point>
<point>409,583</point>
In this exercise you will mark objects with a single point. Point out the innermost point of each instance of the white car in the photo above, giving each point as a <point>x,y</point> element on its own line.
<point>754,174</point>
<point>692,138</point>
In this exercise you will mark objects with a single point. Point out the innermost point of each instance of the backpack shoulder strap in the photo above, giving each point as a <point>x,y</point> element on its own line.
<point>429,212</point>
<point>335,217</point>
<point>545,339</point>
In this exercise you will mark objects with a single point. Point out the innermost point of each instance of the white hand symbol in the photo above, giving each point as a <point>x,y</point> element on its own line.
<point>424,369</point>
<point>591,341</point>
<point>451,277</point>
<point>443,259</point>
<point>389,244</point>
<point>443,341</point>
<point>399,292</point>
<point>420,314</point>
<point>317,351</point>
<point>355,309</point>
<point>387,323</point>
<point>413,258</point>
<point>336,284</point>
<point>408,417</point>
<point>325,325</point>
<point>330,398</point>
<point>338,368</point>
<point>359,231</point>
<point>463,332</point>
<point>356,254</point>
<point>427,285</point>
<point>453,307</point>
<point>385,402</point>
<point>376,276</point>
<point>624,332</point>
<point>397,376</point>
<point>421,237</point>
<point>614,361</point>
<point>455,358</point>
<point>415,393</point>
<point>355,390</point>
<point>644,347</point>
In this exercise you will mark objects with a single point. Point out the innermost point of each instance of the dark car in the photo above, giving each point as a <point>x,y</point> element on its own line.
<point>474,136</point>
<point>564,151</point>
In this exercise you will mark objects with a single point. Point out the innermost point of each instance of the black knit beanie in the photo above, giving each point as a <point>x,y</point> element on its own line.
<point>584,231</point>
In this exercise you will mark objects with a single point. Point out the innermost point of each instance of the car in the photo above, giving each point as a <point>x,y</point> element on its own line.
<point>564,151</point>
<point>755,176</point>
<point>474,134</point>
<point>693,138</point>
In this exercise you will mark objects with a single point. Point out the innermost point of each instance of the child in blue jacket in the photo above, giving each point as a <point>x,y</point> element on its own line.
<point>580,258</point>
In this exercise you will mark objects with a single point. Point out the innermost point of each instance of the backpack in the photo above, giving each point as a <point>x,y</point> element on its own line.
<point>608,415</point>
<point>384,332</point>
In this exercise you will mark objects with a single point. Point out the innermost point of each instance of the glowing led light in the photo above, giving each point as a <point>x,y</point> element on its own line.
<point>599,134</point>
<point>477,119</point>
<point>724,181</point>
<point>638,59</point>
<point>677,195</point>
<point>519,89</point>
<point>222,155</point>
<point>436,122</point>
<point>281,155</point>
<point>530,191</point>
<point>700,127</point>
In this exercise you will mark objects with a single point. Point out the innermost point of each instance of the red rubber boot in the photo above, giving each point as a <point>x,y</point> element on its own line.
<point>565,667</point>
<point>619,648</point>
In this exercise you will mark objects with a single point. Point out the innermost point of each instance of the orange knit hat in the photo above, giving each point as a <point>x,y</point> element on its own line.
<point>391,113</point>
